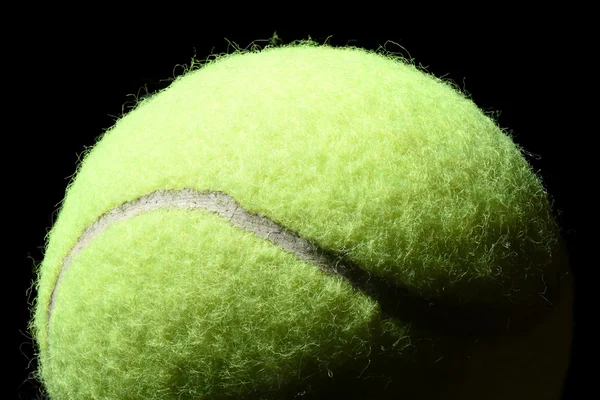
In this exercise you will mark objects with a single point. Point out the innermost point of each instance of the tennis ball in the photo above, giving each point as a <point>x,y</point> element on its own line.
<point>303,221</point>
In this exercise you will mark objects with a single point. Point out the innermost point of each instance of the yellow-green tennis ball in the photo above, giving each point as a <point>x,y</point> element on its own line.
<point>303,221</point>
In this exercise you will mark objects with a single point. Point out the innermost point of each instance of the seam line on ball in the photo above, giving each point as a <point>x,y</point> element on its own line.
<point>333,263</point>
<point>394,301</point>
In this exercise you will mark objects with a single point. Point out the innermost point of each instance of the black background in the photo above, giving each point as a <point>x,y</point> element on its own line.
<point>72,79</point>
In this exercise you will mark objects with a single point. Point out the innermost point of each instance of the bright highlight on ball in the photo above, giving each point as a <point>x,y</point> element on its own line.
<point>304,221</point>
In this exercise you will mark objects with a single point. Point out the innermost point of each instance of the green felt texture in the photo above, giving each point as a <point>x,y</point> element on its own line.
<point>361,153</point>
<point>192,307</point>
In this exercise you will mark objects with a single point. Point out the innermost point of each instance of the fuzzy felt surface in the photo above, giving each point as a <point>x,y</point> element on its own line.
<point>193,307</point>
<point>361,153</point>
